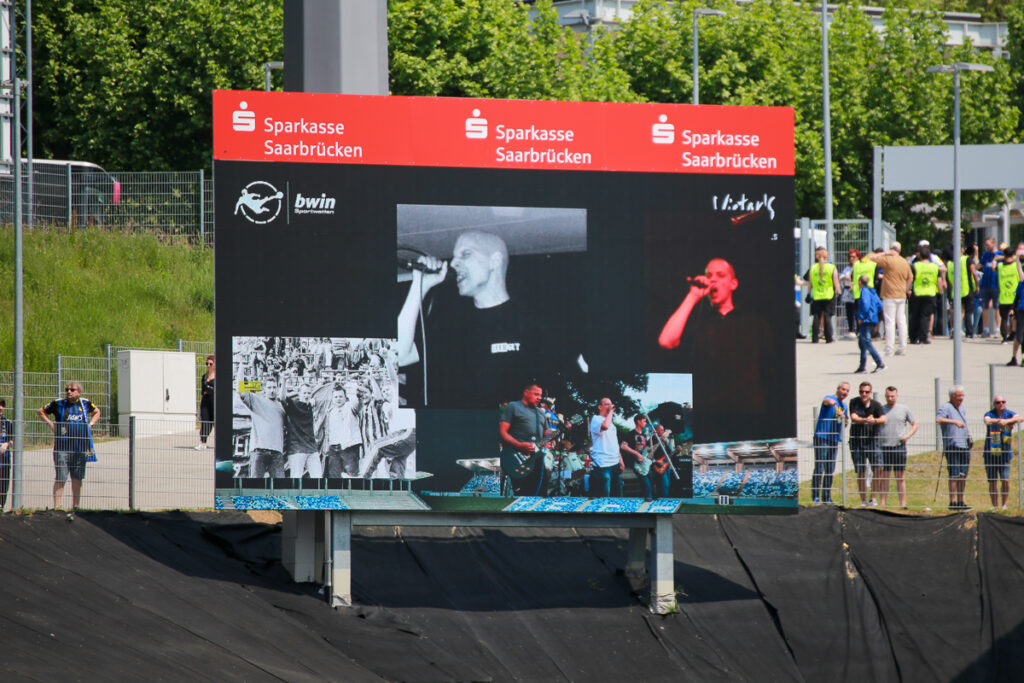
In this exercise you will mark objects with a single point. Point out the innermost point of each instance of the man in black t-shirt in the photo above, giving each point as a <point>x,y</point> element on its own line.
<point>479,345</point>
<point>722,346</point>
<point>867,416</point>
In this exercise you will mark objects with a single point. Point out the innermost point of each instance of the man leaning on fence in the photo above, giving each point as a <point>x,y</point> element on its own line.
<point>956,445</point>
<point>999,424</point>
<point>72,422</point>
<point>828,432</point>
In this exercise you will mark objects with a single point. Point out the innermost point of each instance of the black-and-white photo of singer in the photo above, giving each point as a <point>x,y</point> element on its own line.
<point>313,407</point>
<point>494,298</point>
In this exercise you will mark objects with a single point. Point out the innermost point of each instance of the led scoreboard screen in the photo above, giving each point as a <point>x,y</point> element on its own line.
<point>494,305</point>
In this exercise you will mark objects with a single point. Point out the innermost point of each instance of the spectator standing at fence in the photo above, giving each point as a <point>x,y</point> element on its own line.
<point>897,280</point>
<point>206,402</point>
<point>6,450</point>
<point>828,432</point>
<point>999,424</point>
<point>899,426</point>
<point>867,416</point>
<point>956,444</point>
<point>72,420</point>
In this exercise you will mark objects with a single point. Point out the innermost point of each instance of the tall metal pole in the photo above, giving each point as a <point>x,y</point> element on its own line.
<point>696,53</point>
<point>19,349</point>
<point>958,338</point>
<point>29,217</point>
<point>958,328</point>
<point>698,13</point>
<point>826,118</point>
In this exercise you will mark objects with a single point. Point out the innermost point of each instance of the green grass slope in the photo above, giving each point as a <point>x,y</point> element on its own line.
<point>89,288</point>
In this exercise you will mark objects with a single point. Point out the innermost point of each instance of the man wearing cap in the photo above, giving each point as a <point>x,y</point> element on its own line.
<point>897,280</point>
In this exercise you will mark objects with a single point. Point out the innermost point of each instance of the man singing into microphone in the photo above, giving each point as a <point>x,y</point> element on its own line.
<point>478,346</point>
<point>725,344</point>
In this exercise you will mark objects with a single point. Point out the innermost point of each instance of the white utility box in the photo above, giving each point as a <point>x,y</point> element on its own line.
<point>155,387</point>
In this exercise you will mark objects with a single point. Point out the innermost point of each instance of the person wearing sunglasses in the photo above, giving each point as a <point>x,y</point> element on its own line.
<point>999,424</point>
<point>71,420</point>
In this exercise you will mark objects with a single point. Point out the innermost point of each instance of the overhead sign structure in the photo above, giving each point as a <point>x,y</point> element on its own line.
<point>430,303</point>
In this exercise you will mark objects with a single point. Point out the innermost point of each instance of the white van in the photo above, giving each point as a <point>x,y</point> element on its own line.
<point>69,193</point>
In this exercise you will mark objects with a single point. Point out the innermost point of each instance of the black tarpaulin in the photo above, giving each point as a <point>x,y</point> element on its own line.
<point>826,595</point>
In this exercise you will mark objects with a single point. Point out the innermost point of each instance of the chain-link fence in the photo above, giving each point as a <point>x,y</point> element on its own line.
<point>149,466</point>
<point>177,205</point>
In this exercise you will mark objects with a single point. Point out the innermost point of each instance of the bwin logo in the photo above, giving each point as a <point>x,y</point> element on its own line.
<point>260,202</point>
<point>476,127</point>
<point>321,205</point>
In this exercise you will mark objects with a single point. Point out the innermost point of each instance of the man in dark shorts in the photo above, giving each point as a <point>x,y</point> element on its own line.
<point>522,429</point>
<point>867,416</point>
<point>956,445</point>
<point>899,426</point>
<point>999,424</point>
<point>71,423</point>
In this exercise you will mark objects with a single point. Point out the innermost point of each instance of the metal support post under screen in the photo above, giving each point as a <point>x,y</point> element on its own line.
<point>339,550</point>
<point>663,587</point>
<point>636,551</point>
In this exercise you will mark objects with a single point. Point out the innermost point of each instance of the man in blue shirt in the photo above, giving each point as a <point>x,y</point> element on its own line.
<point>989,286</point>
<point>72,422</point>
<point>999,448</point>
<point>828,432</point>
<point>868,308</point>
<point>956,445</point>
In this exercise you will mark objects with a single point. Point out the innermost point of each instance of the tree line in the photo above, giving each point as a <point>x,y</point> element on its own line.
<point>127,84</point>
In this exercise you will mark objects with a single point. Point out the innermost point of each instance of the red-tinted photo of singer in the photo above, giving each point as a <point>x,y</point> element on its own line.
<point>717,283</point>
<point>722,343</point>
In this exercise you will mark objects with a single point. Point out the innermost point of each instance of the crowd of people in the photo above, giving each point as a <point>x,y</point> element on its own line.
<point>878,436</point>
<point>904,300</point>
<point>318,407</point>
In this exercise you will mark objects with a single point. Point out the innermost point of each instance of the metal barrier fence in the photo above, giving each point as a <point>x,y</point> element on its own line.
<point>177,205</point>
<point>832,475</point>
<point>152,465</point>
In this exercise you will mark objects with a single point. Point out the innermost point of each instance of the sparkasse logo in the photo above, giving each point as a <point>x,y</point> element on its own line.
<point>260,202</point>
<point>242,120</point>
<point>323,204</point>
<point>662,132</point>
<point>476,127</point>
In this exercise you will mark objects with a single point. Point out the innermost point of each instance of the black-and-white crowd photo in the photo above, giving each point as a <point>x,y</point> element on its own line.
<point>492,298</point>
<point>314,407</point>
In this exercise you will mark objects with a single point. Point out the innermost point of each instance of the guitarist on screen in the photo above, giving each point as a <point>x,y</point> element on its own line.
<point>522,430</point>
<point>659,474</point>
<point>635,451</point>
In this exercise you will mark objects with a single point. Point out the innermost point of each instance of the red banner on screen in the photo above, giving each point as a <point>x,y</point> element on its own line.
<point>514,134</point>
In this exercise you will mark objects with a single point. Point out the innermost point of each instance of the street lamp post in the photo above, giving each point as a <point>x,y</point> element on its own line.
<point>958,330</point>
<point>697,13</point>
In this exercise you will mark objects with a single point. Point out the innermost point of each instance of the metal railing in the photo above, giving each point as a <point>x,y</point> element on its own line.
<point>176,205</point>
